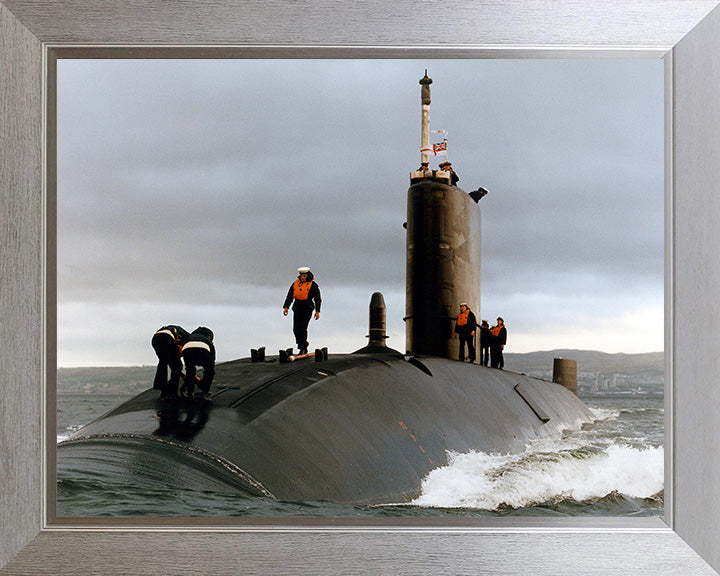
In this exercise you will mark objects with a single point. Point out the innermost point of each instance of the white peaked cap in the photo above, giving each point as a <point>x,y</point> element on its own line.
<point>304,269</point>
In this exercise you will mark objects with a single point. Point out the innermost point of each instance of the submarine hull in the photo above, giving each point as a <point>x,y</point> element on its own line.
<point>360,428</point>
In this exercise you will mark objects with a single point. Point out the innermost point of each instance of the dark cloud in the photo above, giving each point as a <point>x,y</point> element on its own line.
<point>191,181</point>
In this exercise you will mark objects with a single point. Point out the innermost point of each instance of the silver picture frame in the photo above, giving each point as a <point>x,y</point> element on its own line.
<point>685,33</point>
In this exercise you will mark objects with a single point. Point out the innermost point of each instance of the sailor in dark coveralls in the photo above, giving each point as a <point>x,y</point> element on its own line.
<point>465,325</point>
<point>485,337</point>
<point>199,350</point>
<point>306,294</point>
<point>447,167</point>
<point>497,343</point>
<point>167,343</point>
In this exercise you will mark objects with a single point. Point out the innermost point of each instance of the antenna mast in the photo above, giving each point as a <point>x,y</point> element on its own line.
<point>425,148</point>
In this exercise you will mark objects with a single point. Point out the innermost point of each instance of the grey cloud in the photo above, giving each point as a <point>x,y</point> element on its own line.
<point>178,178</point>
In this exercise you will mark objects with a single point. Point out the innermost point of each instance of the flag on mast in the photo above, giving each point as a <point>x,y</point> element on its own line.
<point>440,149</point>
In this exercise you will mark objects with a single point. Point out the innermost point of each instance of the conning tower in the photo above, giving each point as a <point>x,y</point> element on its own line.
<point>443,252</point>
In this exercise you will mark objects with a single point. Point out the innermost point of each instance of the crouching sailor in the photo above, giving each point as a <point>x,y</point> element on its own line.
<point>306,294</point>
<point>199,350</point>
<point>167,343</point>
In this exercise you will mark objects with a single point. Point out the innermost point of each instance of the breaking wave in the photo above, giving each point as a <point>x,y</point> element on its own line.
<point>492,481</point>
<point>600,462</point>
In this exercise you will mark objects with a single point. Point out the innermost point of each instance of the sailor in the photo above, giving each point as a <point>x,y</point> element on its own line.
<point>485,338</point>
<point>306,296</point>
<point>167,343</point>
<point>447,167</point>
<point>465,325</point>
<point>497,344</point>
<point>199,350</point>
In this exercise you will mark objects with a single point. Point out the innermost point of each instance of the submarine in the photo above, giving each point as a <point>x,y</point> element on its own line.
<point>364,427</point>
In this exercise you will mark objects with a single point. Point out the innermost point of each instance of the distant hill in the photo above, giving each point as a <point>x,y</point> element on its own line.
<point>593,367</point>
<point>599,373</point>
<point>648,364</point>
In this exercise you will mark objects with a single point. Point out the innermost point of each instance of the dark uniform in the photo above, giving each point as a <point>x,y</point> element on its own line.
<point>199,350</point>
<point>447,167</point>
<point>167,343</point>
<point>485,338</point>
<point>465,326</point>
<point>497,342</point>
<point>306,297</point>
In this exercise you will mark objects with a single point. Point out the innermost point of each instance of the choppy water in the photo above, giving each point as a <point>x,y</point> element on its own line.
<point>613,467</point>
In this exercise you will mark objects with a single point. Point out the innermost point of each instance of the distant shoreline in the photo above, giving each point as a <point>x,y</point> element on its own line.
<point>599,374</point>
<point>555,353</point>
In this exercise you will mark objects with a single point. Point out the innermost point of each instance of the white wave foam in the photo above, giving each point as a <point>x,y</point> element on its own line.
<point>602,414</point>
<point>487,481</point>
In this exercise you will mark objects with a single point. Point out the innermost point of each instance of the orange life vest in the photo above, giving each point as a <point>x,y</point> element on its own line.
<point>495,330</point>
<point>301,290</point>
<point>462,318</point>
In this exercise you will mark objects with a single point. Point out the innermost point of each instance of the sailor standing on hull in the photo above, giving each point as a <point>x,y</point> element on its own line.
<point>167,343</point>
<point>465,326</point>
<point>306,296</point>
<point>199,350</point>
<point>485,338</point>
<point>497,344</point>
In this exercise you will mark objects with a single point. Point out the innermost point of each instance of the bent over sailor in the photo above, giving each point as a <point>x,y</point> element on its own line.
<point>199,350</point>
<point>167,343</point>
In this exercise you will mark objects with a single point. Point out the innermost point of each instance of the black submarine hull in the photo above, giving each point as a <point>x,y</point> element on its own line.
<point>359,428</point>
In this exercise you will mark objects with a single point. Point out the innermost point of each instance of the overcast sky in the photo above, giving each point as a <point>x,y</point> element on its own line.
<point>190,191</point>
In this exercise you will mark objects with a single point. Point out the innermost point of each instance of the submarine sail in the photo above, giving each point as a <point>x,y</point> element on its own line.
<point>443,265</point>
<point>443,250</point>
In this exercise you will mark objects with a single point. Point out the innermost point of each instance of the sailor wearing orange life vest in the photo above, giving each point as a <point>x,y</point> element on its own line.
<point>465,326</point>
<point>497,343</point>
<point>306,294</point>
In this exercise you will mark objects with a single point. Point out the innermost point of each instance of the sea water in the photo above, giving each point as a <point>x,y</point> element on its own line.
<point>612,467</point>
